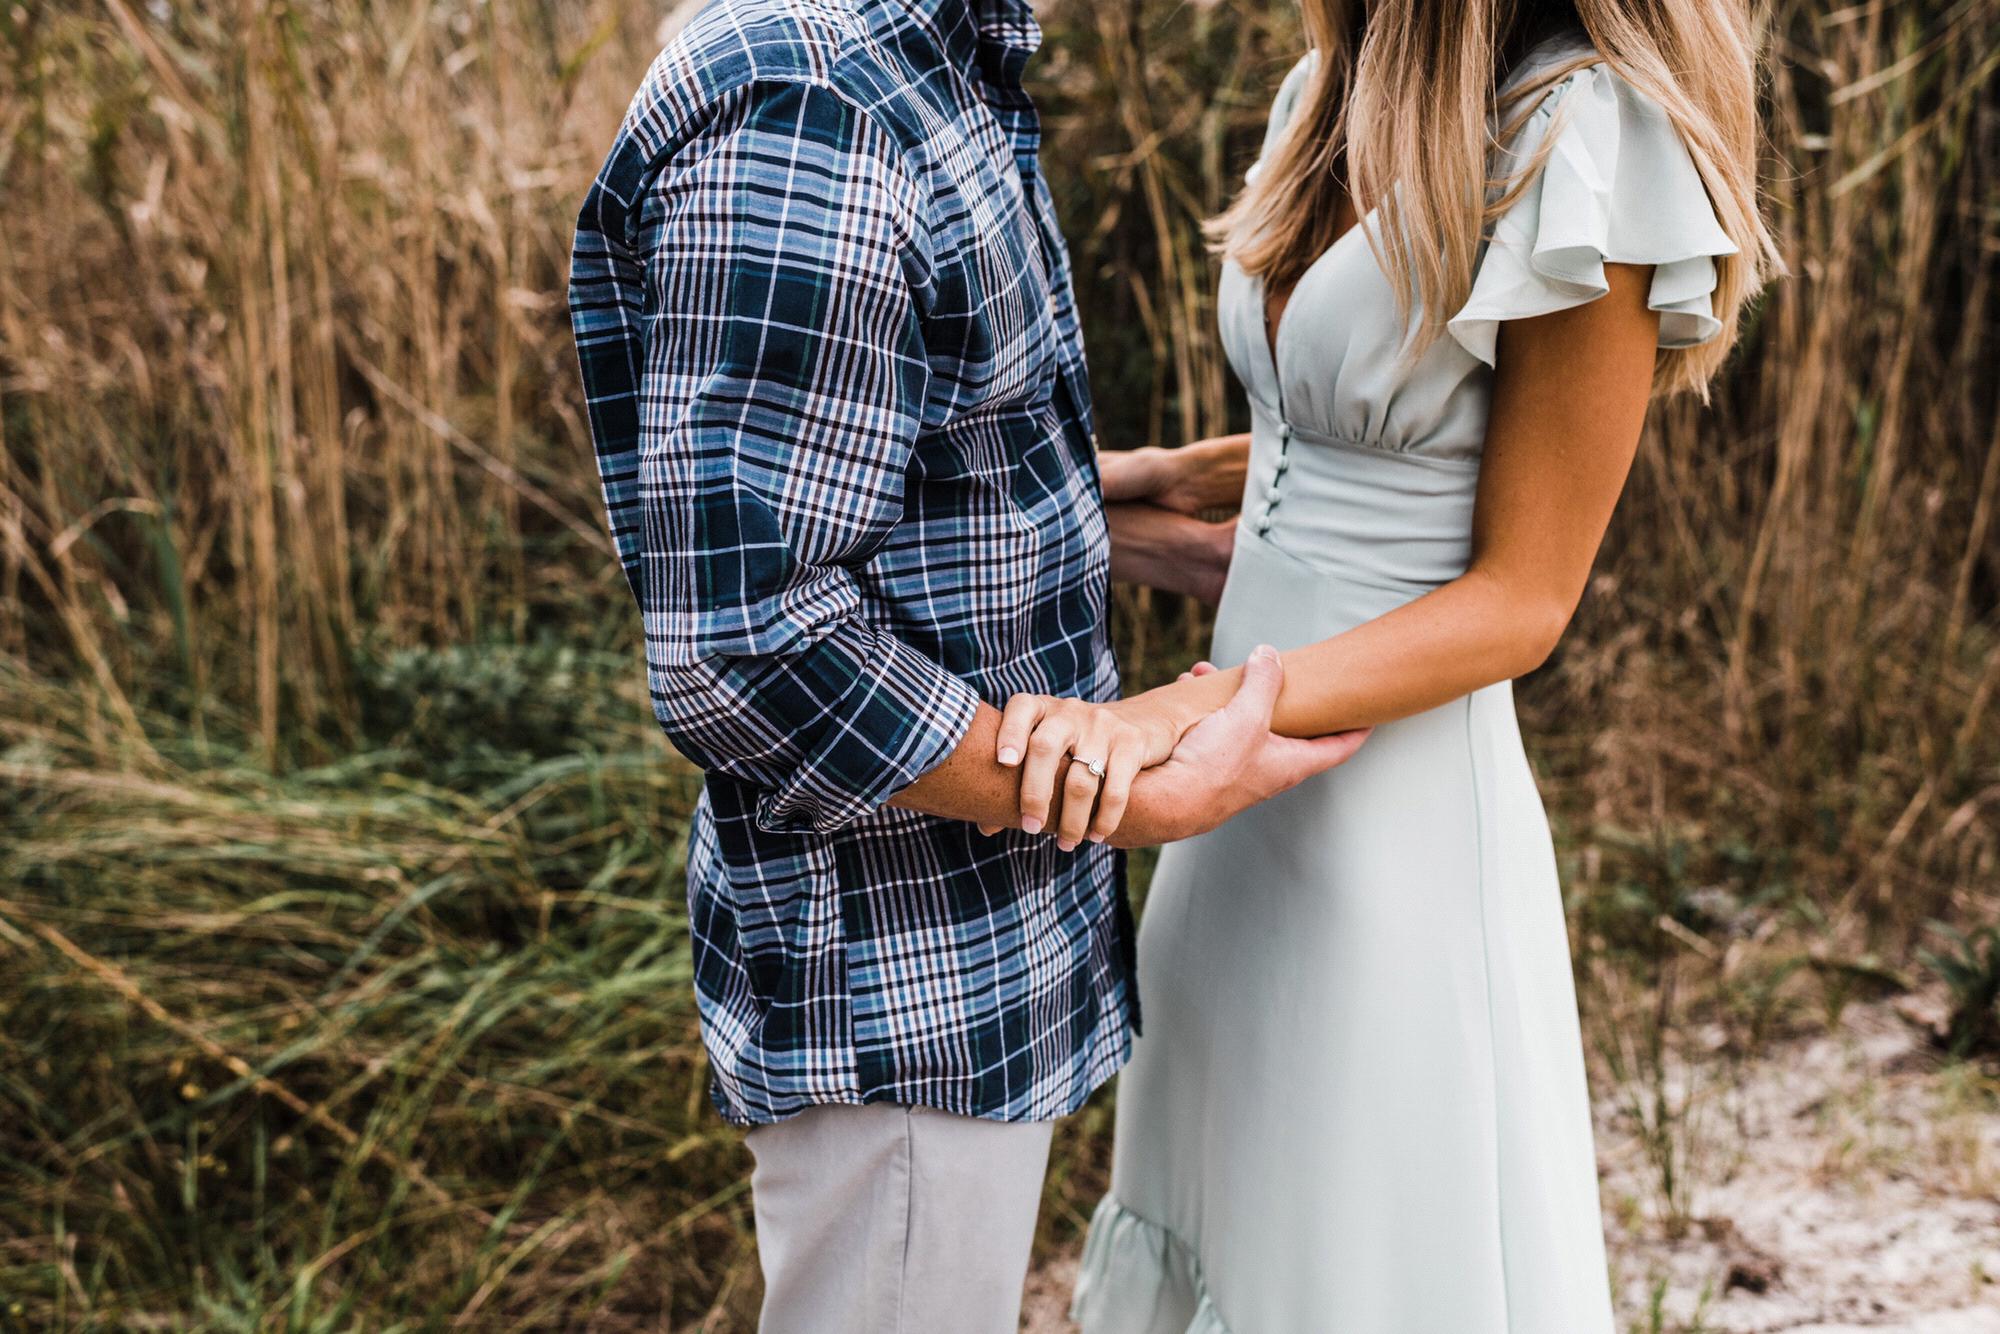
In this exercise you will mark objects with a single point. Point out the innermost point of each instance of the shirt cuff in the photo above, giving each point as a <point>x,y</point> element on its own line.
<point>898,717</point>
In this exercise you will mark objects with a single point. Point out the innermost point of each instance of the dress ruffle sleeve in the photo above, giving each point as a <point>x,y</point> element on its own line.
<point>1617,187</point>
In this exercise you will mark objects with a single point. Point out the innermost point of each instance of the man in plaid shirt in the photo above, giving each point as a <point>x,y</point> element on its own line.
<point>837,391</point>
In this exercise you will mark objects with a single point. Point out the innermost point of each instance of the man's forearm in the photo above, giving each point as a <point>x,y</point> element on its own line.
<point>1165,550</point>
<point>1226,762</point>
<point>970,784</point>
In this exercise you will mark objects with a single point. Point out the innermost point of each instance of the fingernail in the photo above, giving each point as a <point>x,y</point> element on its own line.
<point>1030,825</point>
<point>1067,845</point>
<point>1265,651</point>
<point>1008,755</point>
<point>1097,838</point>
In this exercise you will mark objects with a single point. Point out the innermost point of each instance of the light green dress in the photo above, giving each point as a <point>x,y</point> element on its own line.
<point>1359,1103</point>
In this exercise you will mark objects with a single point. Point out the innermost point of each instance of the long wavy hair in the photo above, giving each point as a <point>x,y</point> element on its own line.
<point>1401,110</point>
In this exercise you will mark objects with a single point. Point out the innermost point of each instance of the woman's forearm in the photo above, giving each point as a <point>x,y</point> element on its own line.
<point>1196,478</point>
<point>1470,633</point>
<point>1133,474</point>
<point>1566,414</point>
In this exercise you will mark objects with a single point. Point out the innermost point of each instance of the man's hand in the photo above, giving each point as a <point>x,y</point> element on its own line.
<point>1198,477</point>
<point>1228,762</point>
<point>1170,774</point>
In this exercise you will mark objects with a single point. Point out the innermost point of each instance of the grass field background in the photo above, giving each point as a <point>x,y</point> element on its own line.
<point>344,977</point>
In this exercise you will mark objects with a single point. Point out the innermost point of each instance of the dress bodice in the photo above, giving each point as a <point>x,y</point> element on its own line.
<point>1353,442</point>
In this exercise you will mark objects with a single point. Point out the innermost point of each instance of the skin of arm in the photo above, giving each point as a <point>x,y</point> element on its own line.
<point>1176,553</point>
<point>1226,763</point>
<point>1569,401</point>
<point>1201,475</point>
<point>1153,498</point>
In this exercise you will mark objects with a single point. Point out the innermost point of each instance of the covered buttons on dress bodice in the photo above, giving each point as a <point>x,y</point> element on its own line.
<point>1274,493</point>
<point>1617,186</point>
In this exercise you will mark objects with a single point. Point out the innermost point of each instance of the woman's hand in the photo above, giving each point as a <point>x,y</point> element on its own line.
<point>1198,477</point>
<point>1208,475</point>
<point>1094,750</point>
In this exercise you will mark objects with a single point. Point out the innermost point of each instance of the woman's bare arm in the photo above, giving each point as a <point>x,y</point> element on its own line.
<point>1569,400</point>
<point>1199,476</point>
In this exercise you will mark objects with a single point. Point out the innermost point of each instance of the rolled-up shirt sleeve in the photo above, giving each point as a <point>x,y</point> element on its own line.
<point>748,322</point>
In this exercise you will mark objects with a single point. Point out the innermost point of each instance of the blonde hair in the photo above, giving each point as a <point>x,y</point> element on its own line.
<point>1400,109</point>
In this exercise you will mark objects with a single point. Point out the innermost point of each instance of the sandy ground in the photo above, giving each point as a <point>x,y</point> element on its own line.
<point>1847,1182</point>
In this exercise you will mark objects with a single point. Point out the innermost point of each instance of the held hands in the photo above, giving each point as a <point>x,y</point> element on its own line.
<point>1220,765</point>
<point>1095,749</point>
<point>1153,499</point>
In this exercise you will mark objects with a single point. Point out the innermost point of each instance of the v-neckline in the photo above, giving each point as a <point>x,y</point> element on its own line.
<point>1270,333</point>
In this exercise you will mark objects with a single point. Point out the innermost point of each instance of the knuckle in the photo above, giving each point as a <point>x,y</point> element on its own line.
<point>1047,742</point>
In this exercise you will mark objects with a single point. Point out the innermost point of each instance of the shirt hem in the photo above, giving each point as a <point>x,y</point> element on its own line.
<point>1104,1067</point>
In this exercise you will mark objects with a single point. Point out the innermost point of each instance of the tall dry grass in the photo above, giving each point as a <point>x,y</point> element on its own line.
<point>342,971</point>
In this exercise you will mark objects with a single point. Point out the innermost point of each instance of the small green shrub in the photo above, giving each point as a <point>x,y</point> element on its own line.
<point>1970,968</point>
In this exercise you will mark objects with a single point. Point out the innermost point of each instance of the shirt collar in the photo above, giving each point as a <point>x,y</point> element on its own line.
<point>997,36</point>
<point>1008,23</point>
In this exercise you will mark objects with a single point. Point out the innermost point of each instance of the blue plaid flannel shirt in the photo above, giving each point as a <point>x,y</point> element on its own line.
<point>837,391</point>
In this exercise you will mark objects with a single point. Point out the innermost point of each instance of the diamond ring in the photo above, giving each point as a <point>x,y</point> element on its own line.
<point>1096,769</point>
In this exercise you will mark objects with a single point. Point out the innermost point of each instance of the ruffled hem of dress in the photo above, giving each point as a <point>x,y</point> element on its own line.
<point>1128,1264</point>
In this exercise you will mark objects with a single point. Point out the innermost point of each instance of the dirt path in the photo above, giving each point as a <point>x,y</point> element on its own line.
<point>1837,1184</point>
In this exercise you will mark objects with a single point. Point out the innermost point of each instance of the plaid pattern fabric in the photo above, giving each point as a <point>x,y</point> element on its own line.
<point>836,386</point>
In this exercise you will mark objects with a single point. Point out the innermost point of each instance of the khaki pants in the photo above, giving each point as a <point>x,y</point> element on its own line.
<point>895,1220</point>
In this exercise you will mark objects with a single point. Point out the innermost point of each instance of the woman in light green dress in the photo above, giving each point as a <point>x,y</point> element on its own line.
<point>1359,1104</point>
